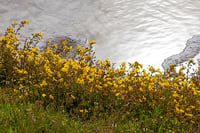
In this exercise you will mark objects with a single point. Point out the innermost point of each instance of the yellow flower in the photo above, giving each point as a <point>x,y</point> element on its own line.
<point>175,95</point>
<point>56,46</point>
<point>21,86</point>
<point>198,102</point>
<point>2,38</point>
<point>105,85</point>
<point>21,56</point>
<point>15,23</point>
<point>179,110</point>
<point>123,64</point>
<point>189,115</point>
<point>85,57</point>
<point>122,86</point>
<point>86,111</point>
<point>64,69</point>
<point>140,100</point>
<point>10,30</point>
<point>20,96</point>
<point>130,88</point>
<point>82,51</point>
<point>49,72</point>
<point>117,94</point>
<point>40,34</point>
<point>79,48</point>
<point>36,63</point>
<point>64,42</point>
<point>60,61</point>
<point>80,81</point>
<point>92,42</point>
<point>61,80</point>
<point>51,97</point>
<point>98,86</point>
<point>191,61</point>
<point>35,50</point>
<point>144,98</point>
<point>162,98</point>
<point>73,97</point>
<point>65,84</point>
<point>30,58</point>
<point>183,67</point>
<point>43,95</point>
<point>44,83</point>
<point>11,47</point>
<point>81,110</point>
<point>58,74</point>
<point>27,22</point>
<point>90,80</point>
<point>19,71</point>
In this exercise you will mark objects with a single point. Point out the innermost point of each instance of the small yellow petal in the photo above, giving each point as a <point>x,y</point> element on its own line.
<point>43,95</point>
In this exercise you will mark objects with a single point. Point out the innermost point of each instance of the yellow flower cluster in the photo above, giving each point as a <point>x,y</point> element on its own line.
<point>81,82</point>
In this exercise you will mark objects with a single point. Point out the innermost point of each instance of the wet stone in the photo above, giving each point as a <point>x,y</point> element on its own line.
<point>59,39</point>
<point>191,49</point>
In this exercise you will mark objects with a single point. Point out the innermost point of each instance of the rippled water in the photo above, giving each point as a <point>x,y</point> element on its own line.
<point>126,30</point>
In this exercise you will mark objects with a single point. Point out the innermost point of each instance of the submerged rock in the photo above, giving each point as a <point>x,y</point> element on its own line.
<point>190,51</point>
<point>58,39</point>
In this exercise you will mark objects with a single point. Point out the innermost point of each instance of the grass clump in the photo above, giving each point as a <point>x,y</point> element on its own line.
<point>51,91</point>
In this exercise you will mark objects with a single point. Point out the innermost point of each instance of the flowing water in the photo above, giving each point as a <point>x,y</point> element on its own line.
<point>147,31</point>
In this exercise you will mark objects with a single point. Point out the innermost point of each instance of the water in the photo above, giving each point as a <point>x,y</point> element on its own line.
<point>147,31</point>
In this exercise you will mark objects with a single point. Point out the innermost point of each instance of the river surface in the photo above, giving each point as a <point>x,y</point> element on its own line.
<point>147,31</point>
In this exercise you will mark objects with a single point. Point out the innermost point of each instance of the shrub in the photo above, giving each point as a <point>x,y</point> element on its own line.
<point>86,88</point>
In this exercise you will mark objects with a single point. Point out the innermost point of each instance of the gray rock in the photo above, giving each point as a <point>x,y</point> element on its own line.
<point>58,39</point>
<point>190,51</point>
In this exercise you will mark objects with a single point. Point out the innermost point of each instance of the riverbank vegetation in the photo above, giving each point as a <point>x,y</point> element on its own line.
<point>72,91</point>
